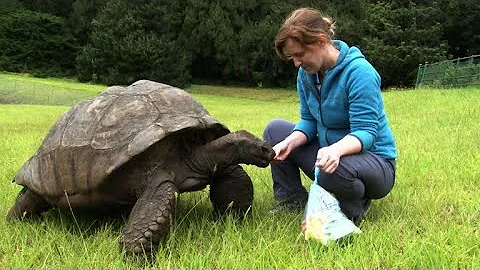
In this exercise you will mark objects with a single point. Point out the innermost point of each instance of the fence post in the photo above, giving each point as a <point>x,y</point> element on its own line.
<point>417,82</point>
<point>424,68</point>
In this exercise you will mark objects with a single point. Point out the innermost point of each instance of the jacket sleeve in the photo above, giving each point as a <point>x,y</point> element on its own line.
<point>307,124</point>
<point>365,100</point>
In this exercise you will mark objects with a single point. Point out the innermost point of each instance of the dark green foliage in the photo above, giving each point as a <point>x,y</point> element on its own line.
<point>236,42</point>
<point>80,21</point>
<point>400,36</point>
<point>35,43</point>
<point>61,8</point>
<point>131,41</point>
<point>8,6</point>
<point>460,27</point>
<point>217,41</point>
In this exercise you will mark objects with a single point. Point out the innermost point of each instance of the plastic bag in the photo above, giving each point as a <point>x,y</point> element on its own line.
<point>324,219</point>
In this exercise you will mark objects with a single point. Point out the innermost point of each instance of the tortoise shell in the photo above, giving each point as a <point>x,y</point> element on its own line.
<point>97,136</point>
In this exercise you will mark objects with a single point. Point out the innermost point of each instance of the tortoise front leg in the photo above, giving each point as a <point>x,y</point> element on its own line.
<point>152,216</point>
<point>232,191</point>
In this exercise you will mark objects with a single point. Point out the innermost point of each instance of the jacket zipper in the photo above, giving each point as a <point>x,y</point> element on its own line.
<point>318,92</point>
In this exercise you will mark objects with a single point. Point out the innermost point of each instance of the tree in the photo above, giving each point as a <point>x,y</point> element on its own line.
<point>232,41</point>
<point>36,43</point>
<point>132,41</point>
<point>9,6</point>
<point>400,36</point>
<point>80,20</point>
<point>61,8</point>
<point>256,60</point>
<point>461,27</point>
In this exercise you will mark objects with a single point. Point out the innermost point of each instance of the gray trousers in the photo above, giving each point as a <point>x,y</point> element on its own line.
<point>358,178</point>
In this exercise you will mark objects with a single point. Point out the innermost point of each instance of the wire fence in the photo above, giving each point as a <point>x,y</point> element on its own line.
<point>21,92</point>
<point>459,72</point>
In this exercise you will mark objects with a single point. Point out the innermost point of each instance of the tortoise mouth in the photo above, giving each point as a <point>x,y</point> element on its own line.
<point>263,160</point>
<point>263,164</point>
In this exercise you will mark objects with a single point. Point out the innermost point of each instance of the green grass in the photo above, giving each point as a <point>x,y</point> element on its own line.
<point>429,220</point>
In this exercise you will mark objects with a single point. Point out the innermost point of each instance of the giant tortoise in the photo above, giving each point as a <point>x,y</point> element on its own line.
<point>138,147</point>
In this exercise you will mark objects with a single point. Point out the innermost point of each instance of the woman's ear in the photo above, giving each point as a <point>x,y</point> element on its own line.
<point>323,40</point>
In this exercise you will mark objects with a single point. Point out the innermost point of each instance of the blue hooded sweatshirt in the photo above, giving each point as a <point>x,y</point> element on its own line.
<point>347,102</point>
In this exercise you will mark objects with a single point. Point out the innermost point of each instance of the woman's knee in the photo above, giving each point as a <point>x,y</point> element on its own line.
<point>277,130</point>
<point>342,185</point>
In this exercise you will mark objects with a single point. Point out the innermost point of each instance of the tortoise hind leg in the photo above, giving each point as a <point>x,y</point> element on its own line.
<point>151,217</point>
<point>231,191</point>
<point>27,204</point>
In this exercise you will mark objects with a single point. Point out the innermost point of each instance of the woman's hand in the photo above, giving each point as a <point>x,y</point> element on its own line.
<point>328,159</point>
<point>282,150</point>
<point>285,147</point>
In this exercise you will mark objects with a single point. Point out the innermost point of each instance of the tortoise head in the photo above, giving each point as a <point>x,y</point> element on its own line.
<point>251,149</point>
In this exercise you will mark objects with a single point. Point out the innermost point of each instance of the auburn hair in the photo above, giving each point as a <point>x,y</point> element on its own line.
<point>304,25</point>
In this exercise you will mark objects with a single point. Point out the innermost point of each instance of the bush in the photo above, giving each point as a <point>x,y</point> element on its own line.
<point>36,43</point>
<point>130,42</point>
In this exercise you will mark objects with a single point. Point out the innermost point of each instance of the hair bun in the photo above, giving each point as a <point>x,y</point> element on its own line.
<point>330,23</point>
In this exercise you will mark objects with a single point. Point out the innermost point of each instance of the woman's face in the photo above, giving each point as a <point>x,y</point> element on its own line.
<point>309,57</point>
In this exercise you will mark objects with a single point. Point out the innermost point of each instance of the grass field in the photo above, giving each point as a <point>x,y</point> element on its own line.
<point>429,220</point>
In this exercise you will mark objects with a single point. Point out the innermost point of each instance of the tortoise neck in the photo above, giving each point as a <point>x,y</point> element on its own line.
<point>216,155</point>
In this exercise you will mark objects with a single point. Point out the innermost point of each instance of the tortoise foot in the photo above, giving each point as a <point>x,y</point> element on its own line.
<point>231,192</point>
<point>150,220</point>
